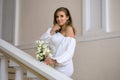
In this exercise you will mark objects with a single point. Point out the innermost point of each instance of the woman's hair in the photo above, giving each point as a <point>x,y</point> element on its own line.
<point>67,13</point>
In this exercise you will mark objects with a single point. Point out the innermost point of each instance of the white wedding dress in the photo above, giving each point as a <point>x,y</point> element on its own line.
<point>62,51</point>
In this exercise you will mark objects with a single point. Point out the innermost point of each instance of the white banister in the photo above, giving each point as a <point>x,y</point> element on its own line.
<point>32,76</point>
<point>3,68</point>
<point>40,69</point>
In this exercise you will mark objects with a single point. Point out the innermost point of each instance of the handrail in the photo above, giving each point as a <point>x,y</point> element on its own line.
<point>25,60</point>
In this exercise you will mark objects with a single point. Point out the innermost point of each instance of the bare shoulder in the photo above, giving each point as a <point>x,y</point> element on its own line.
<point>69,32</point>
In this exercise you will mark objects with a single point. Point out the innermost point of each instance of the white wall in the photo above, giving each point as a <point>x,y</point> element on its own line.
<point>97,60</point>
<point>114,14</point>
<point>37,16</point>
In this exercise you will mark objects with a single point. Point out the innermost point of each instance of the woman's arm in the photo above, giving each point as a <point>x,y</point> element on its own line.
<point>54,29</point>
<point>50,61</point>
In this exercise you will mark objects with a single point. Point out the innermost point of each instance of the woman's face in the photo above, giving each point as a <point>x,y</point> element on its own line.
<point>61,18</point>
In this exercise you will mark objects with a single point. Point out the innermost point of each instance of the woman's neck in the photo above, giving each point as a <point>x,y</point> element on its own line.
<point>62,31</point>
<point>63,27</point>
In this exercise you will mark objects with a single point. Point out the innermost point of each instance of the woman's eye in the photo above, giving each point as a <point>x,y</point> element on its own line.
<point>61,16</point>
<point>56,16</point>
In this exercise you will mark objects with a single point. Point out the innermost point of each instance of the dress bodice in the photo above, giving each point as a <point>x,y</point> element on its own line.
<point>56,39</point>
<point>60,45</point>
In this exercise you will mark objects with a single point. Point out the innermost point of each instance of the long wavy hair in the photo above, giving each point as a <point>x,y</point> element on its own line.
<point>67,13</point>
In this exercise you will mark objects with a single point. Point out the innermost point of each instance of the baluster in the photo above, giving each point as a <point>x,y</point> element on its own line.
<point>18,72</point>
<point>3,67</point>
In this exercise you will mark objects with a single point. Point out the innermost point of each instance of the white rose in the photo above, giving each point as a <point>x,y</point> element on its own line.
<point>48,50</point>
<point>45,45</point>
<point>41,57</point>
<point>50,55</point>
<point>37,56</point>
<point>41,54</point>
<point>44,51</point>
<point>38,50</point>
<point>42,42</point>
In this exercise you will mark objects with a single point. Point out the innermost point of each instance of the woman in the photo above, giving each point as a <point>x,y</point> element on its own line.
<point>61,38</point>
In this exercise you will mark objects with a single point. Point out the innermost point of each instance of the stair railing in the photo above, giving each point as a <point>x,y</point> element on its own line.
<point>39,69</point>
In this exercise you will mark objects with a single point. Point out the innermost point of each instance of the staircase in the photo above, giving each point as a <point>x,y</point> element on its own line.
<point>11,73</point>
<point>16,64</point>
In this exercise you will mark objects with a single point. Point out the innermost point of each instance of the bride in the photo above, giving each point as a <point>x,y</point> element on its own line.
<point>61,38</point>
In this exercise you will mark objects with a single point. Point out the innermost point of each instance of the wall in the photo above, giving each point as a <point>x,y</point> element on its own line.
<point>97,60</point>
<point>37,16</point>
<point>114,13</point>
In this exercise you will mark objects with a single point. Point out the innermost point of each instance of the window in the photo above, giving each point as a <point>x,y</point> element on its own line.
<point>95,16</point>
<point>100,20</point>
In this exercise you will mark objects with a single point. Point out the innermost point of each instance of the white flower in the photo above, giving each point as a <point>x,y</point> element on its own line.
<point>42,42</point>
<point>50,55</point>
<point>45,45</point>
<point>37,56</point>
<point>48,50</point>
<point>42,49</point>
<point>39,49</point>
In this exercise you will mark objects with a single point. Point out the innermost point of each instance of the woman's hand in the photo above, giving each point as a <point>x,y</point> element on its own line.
<point>50,61</point>
<point>55,28</point>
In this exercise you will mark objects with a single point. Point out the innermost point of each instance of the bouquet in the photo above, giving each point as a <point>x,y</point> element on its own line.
<point>42,50</point>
